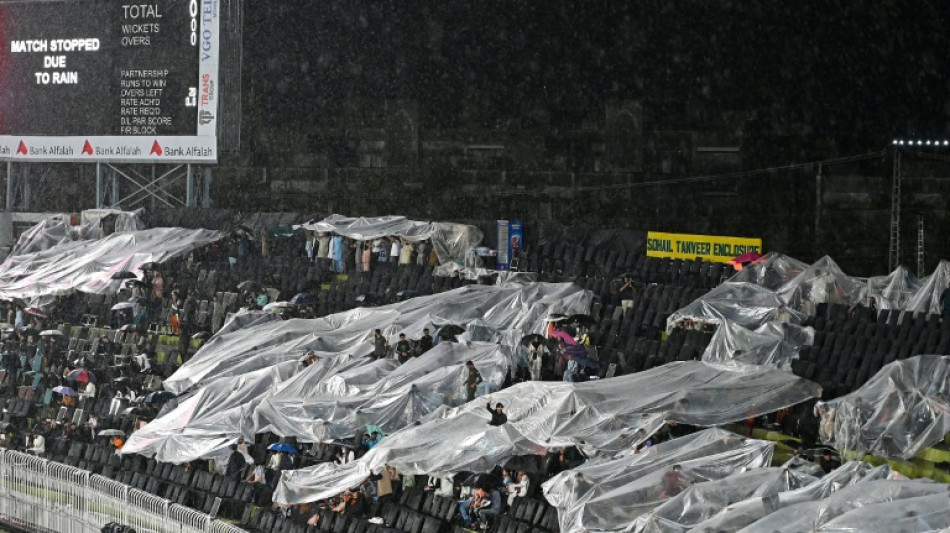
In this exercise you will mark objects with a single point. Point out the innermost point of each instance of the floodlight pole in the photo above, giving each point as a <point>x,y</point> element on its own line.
<point>893,258</point>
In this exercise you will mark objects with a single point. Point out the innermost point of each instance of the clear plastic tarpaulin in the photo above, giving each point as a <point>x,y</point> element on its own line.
<point>449,240</point>
<point>344,388</point>
<point>599,417</point>
<point>733,344</point>
<point>57,229</point>
<point>610,495</point>
<point>745,304</point>
<point>898,412</point>
<point>88,265</point>
<point>770,271</point>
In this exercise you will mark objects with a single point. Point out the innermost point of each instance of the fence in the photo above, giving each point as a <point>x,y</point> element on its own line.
<point>42,495</point>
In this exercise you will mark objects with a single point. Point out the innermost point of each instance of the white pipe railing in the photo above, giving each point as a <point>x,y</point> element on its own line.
<point>43,495</point>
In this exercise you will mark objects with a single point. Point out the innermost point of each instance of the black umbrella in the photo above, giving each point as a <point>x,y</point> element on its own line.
<point>158,397</point>
<point>528,339</point>
<point>450,330</point>
<point>137,282</point>
<point>122,379</point>
<point>531,464</point>
<point>149,266</point>
<point>250,286</point>
<point>366,299</point>
<point>581,320</point>
<point>304,299</point>
<point>124,275</point>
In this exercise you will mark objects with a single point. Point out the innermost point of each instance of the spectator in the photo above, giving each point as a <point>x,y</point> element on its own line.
<point>472,380</point>
<point>88,391</point>
<point>518,489</point>
<point>425,342</point>
<point>379,344</point>
<point>38,446</point>
<point>827,462</point>
<point>626,294</point>
<point>394,250</point>
<point>498,416</point>
<point>487,509</point>
<point>236,464</point>
<point>673,482</point>
<point>257,475</point>
<point>384,485</point>
<point>344,456</point>
<point>470,503</point>
<point>403,349</point>
<point>536,351</point>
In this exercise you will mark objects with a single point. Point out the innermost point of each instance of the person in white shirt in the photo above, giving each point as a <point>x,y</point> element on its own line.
<point>518,489</point>
<point>89,391</point>
<point>39,445</point>
<point>394,251</point>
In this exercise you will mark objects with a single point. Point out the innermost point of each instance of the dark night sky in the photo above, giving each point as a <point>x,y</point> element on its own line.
<point>856,72</point>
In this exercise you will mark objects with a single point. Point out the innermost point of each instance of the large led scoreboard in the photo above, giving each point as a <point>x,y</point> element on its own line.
<point>109,80</point>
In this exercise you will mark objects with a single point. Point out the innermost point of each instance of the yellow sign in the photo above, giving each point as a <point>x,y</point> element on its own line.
<point>708,247</point>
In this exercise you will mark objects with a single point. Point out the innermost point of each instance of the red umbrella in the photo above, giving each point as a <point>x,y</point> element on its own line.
<point>81,375</point>
<point>558,334</point>
<point>35,311</point>
<point>747,257</point>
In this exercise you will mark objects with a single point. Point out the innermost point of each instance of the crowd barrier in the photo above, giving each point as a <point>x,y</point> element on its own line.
<point>41,495</point>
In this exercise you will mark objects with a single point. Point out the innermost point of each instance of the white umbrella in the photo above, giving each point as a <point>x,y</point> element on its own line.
<point>51,333</point>
<point>123,305</point>
<point>111,433</point>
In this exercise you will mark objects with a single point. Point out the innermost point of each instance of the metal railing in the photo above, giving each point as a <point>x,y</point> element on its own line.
<point>41,495</point>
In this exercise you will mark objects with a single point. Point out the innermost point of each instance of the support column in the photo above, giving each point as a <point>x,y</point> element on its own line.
<point>99,185</point>
<point>9,185</point>
<point>115,188</point>
<point>26,187</point>
<point>206,199</point>
<point>190,186</point>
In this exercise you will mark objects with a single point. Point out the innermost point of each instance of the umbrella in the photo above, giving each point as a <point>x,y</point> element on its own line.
<point>555,317</point>
<point>450,330</point>
<point>123,305</point>
<point>367,298</point>
<point>282,447</point>
<point>277,307</point>
<point>65,391</point>
<point>581,320</point>
<point>151,265</point>
<point>250,285</point>
<point>528,339</point>
<point>138,282</point>
<point>128,327</point>
<point>563,335</point>
<point>575,350</point>
<point>124,275</point>
<point>585,361</point>
<point>122,379</point>
<point>51,333</point>
<point>304,298</point>
<point>530,464</point>
<point>201,335</point>
<point>375,429</point>
<point>161,396</point>
<point>36,311</point>
<point>747,257</point>
<point>81,375</point>
<point>111,433</point>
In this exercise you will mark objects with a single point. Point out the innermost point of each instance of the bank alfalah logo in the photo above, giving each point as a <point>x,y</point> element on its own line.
<point>205,117</point>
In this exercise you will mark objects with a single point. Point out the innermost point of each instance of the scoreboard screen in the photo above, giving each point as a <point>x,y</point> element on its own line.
<point>109,80</point>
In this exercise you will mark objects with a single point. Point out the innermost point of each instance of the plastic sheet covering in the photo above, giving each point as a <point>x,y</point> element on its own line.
<point>771,271</point>
<point>610,495</point>
<point>736,516</point>
<point>600,417</point>
<point>927,298</point>
<point>329,399</point>
<point>703,500</point>
<point>209,420</point>
<point>898,412</point>
<point>503,314</point>
<point>872,506</point>
<point>125,221</point>
<point>87,266</point>
<point>344,387</point>
<point>450,241</point>
<point>745,304</point>
<point>733,344</point>
<point>892,291</point>
<point>822,282</point>
<point>502,277</point>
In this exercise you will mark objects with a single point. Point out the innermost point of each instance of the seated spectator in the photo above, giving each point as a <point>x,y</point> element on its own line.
<point>827,462</point>
<point>257,476</point>
<point>88,391</point>
<point>487,508</point>
<point>518,489</point>
<point>38,445</point>
<point>468,504</point>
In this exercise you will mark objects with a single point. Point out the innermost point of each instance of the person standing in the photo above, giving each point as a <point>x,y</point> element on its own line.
<point>472,379</point>
<point>403,349</point>
<point>626,294</point>
<point>498,416</point>
<point>379,344</point>
<point>425,341</point>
